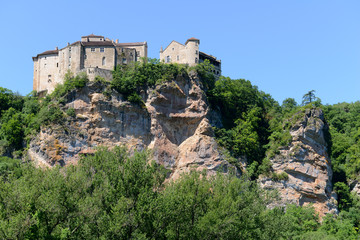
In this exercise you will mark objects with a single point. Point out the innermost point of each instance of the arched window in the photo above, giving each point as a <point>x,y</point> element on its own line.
<point>103,61</point>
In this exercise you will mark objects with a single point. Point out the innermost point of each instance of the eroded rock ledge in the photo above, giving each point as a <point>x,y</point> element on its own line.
<point>174,124</point>
<point>307,164</point>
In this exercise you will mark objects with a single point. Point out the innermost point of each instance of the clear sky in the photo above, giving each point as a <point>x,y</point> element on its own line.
<point>285,47</point>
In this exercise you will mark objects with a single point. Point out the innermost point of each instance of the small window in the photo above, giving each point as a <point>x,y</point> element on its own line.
<point>122,50</point>
<point>177,58</point>
<point>103,61</point>
<point>57,64</point>
<point>168,59</point>
<point>124,61</point>
<point>102,49</point>
<point>45,58</point>
<point>196,52</point>
<point>196,60</point>
<point>93,49</point>
<point>173,49</point>
<point>69,49</point>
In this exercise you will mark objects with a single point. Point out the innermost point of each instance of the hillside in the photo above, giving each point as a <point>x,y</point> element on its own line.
<point>279,171</point>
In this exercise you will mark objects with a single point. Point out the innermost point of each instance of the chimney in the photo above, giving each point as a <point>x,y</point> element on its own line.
<point>117,40</point>
<point>68,43</point>
<point>56,48</point>
<point>161,49</point>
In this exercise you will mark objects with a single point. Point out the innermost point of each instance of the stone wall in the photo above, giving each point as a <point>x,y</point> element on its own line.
<point>93,72</point>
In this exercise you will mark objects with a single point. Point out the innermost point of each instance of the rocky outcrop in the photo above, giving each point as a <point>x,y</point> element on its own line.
<point>173,123</point>
<point>307,165</point>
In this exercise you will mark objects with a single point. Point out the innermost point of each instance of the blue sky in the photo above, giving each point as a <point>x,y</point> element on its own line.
<point>286,48</point>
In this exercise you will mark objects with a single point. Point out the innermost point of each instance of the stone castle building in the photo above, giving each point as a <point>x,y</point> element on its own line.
<point>96,55</point>
<point>188,54</point>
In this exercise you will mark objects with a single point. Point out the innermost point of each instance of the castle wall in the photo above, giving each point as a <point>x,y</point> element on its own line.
<point>192,52</point>
<point>125,55</point>
<point>93,55</point>
<point>96,58</point>
<point>69,60</point>
<point>175,52</point>
<point>93,72</point>
<point>141,51</point>
<point>47,72</point>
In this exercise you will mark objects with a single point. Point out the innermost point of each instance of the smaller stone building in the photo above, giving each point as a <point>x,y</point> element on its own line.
<point>94,54</point>
<point>188,54</point>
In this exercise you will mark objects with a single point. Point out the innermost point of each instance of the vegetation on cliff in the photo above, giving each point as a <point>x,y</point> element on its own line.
<point>114,195</point>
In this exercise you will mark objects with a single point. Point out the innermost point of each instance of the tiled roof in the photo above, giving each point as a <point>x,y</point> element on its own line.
<point>97,43</point>
<point>50,52</point>
<point>192,39</point>
<point>195,39</point>
<point>209,56</point>
<point>130,44</point>
<point>94,36</point>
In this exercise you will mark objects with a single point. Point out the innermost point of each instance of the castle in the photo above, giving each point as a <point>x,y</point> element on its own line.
<point>97,55</point>
<point>188,54</point>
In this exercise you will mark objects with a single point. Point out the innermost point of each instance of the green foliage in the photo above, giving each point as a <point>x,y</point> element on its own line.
<point>309,97</point>
<point>70,83</point>
<point>130,79</point>
<point>8,99</point>
<point>279,176</point>
<point>71,112</point>
<point>9,167</point>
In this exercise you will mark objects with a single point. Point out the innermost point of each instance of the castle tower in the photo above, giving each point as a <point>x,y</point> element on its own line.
<point>192,51</point>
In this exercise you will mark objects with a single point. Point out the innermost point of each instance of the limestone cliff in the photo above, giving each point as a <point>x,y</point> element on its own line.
<point>173,123</point>
<point>306,162</point>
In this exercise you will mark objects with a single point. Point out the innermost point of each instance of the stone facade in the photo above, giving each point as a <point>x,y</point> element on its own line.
<point>95,54</point>
<point>188,54</point>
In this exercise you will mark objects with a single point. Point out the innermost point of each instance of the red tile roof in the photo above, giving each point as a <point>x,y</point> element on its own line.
<point>192,39</point>
<point>97,43</point>
<point>50,52</point>
<point>93,36</point>
<point>130,44</point>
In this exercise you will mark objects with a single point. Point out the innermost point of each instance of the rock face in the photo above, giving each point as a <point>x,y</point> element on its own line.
<point>307,164</point>
<point>174,124</point>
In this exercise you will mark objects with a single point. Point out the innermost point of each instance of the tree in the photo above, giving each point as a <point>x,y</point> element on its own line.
<point>289,104</point>
<point>309,97</point>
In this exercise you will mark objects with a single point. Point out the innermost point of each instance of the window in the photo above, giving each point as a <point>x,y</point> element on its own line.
<point>45,58</point>
<point>173,49</point>
<point>177,57</point>
<point>124,61</point>
<point>168,59</point>
<point>122,50</point>
<point>93,49</point>
<point>196,60</point>
<point>196,52</point>
<point>103,61</point>
<point>69,49</point>
<point>57,64</point>
<point>102,49</point>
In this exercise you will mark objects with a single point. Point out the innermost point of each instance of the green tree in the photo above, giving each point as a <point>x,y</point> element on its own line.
<point>309,97</point>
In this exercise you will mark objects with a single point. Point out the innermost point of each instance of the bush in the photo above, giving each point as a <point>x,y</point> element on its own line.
<point>71,112</point>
